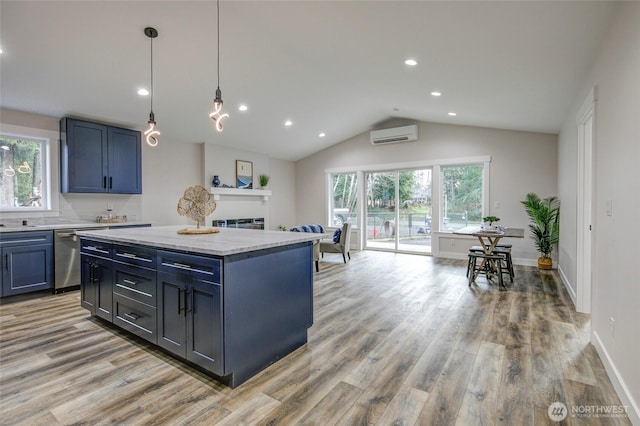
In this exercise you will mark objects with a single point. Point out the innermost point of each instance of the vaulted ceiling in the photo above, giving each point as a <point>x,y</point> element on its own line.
<point>335,67</point>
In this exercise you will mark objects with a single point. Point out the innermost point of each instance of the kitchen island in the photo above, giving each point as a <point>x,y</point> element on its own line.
<point>229,303</point>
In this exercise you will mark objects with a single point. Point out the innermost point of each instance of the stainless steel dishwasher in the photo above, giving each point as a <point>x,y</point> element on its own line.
<point>66,247</point>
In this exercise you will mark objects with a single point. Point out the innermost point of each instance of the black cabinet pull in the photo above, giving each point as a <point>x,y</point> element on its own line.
<point>91,264</point>
<point>179,307</point>
<point>6,262</point>
<point>104,182</point>
<point>186,305</point>
<point>111,183</point>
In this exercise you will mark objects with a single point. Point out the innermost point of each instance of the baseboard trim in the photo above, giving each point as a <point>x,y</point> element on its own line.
<point>567,286</point>
<point>633,411</point>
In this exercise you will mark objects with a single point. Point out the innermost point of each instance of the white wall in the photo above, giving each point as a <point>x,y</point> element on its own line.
<point>279,209</point>
<point>167,170</point>
<point>521,162</point>
<point>615,289</point>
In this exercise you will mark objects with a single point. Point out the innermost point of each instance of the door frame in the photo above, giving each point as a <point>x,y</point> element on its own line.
<point>586,123</point>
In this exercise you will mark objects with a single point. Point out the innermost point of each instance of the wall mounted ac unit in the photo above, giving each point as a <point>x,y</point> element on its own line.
<point>394,135</point>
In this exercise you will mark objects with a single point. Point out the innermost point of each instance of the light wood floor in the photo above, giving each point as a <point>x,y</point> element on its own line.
<point>397,340</point>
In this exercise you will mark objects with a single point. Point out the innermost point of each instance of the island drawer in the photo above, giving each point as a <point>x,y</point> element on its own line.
<point>95,247</point>
<point>136,317</point>
<point>134,255</point>
<point>135,283</point>
<point>201,267</point>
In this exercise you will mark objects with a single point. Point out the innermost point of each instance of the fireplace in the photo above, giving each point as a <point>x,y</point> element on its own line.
<point>248,223</point>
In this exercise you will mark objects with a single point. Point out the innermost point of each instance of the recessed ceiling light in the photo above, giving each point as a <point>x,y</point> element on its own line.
<point>436,94</point>
<point>288,123</point>
<point>143,92</point>
<point>411,62</point>
<point>243,108</point>
<point>322,135</point>
<point>453,114</point>
<point>1,50</point>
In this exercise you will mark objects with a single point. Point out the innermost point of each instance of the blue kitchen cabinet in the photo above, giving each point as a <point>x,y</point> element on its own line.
<point>190,308</point>
<point>26,262</point>
<point>96,272</point>
<point>97,158</point>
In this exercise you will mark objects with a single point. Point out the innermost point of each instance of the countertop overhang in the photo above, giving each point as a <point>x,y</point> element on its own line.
<point>224,243</point>
<point>52,225</point>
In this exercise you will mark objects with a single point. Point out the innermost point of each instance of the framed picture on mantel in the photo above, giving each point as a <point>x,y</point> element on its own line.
<point>244,174</point>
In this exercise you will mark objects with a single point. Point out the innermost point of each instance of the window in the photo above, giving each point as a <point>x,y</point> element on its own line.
<point>344,199</point>
<point>462,196</point>
<point>24,179</point>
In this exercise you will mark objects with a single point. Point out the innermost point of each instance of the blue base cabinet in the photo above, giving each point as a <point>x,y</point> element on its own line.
<point>26,262</point>
<point>230,316</point>
<point>96,276</point>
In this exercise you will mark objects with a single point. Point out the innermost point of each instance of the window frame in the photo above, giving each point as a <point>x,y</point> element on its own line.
<point>45,164</point>
<point>485,189</point>
<point>436,190</point>
<point>330,198</point>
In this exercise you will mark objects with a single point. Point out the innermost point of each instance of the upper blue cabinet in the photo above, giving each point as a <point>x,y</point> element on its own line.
<point>99,158</point>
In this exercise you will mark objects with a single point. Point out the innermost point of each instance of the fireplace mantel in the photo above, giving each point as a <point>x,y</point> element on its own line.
<point>218,192</point>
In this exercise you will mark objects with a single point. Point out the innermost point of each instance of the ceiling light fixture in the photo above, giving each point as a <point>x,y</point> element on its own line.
<point>288,123</point>
<point>217,115</point>
<point>452,114</point>
<point>411,62</point>
<point>322,135</point>
<point>143,92</point>
<point>243,108</point>
<point>151,134</point>
<point>436,94</point>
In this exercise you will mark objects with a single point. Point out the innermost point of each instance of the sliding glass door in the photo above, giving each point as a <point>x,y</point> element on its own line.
<point>398,210</point>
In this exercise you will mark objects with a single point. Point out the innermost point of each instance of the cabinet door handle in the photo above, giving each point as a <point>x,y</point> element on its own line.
<point>111,183</point>
<point>186,305</point>
<point>132,316</point>
<point>104,182</point>
<point>179,300</point>
<point>6,262</point>
<point>130,282</point>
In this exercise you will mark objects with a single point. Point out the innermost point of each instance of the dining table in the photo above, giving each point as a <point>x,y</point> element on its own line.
<point>489,240</point>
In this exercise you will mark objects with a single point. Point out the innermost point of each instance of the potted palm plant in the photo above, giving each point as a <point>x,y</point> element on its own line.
<point>545,225</point>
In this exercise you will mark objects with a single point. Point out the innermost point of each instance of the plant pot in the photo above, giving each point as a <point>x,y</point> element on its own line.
<point>545,263</point>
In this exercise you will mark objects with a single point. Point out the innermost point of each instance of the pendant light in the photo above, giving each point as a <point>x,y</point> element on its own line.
<point>151,134</point>
<point>217,115</point>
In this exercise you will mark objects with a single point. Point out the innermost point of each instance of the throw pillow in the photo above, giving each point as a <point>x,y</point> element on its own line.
<point>336,235</point>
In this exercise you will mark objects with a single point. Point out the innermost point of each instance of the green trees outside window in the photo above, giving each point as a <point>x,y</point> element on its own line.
<point>21,173</point>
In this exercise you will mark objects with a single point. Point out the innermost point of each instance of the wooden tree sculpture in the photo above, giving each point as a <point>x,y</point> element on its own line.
<point>196,204</point>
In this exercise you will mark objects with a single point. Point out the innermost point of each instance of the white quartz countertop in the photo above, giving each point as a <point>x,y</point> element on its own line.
<point>50,224</point>
<point>226,242</point>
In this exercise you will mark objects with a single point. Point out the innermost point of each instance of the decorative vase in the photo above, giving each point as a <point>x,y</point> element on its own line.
<point>545,263</point>
<point>216,181</point>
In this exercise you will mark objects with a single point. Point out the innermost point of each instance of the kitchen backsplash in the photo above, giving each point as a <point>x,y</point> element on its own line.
<point>89,206</point>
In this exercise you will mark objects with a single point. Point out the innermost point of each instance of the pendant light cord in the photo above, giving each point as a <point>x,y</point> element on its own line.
<point>218,15</point>
<point>151,74</point>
